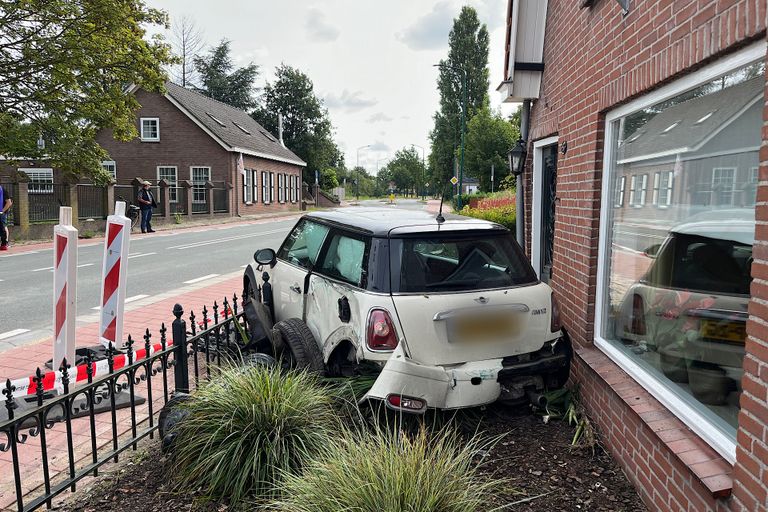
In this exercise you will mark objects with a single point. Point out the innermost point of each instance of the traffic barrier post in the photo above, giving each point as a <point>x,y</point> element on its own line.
<point>114,275</point>
<point>64,287</point>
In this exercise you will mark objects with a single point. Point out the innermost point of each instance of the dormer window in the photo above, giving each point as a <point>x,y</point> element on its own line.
<point>241,128</point>
<point>218,121</point>
<point>150,129</point>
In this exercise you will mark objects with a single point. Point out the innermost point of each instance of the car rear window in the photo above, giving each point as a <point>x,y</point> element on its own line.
<point>458,262</point>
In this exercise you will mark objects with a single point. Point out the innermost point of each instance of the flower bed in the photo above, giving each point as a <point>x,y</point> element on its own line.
<point>498,207</point>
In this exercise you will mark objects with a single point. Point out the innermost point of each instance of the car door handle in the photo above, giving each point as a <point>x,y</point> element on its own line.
<point>296,288</point>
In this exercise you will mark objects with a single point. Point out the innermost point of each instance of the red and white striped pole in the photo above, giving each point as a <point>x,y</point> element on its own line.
<point>114,272</point>
<point>64,288</point>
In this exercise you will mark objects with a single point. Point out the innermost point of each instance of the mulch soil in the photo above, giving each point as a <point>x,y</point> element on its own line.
<point>544,473</point>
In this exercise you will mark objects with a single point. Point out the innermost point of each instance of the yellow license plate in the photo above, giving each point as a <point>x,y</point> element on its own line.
<point>735,332</point>
<point>484,328</point>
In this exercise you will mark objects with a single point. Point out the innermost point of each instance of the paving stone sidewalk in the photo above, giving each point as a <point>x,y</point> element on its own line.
<point>21,362</point>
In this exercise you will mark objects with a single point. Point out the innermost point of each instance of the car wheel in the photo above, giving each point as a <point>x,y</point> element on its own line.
<point>170,416</point>
<point>300,350</point>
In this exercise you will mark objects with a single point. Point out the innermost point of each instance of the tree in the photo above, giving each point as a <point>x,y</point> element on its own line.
<point>187,40</point>
<point>467,51</point>
<point>406,170</point>
<point>221,81</point>
<point>64,68</point>
<point>489,139</point>
<point>307,128</point>
<point>328,179</point>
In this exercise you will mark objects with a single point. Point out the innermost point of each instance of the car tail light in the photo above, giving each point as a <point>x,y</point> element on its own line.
<point>406,403</point>
<point>381,334</point>
<point>554,324</point>
<point>637,320</point>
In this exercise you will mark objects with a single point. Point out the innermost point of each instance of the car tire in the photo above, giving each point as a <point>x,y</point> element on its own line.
<point>170,416</point>
<point>300,350</point>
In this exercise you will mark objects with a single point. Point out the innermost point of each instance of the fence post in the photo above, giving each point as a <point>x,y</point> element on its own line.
<point>71,192</point>
<point>165,197</point>
<point>109,198</point>
<point>180,367</point>
<point>21,206</point>
<point>187,186</point>
<point>209,196</point>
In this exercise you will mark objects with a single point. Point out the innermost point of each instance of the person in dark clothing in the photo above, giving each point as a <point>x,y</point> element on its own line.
<point>146,203</point>
<point>5,204</point>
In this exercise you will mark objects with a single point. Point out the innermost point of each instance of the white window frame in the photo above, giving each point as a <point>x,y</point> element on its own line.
<point>271,187</point>
<point>734,171</point>
<point>248,187</point>
<point>40,179</point>
<point>697,422</point>
<point>634,200</point>
<point>538,198</point>
<point>657,188</point>
<point>141,129</point>
<point>111,167</point>
<point>618,200</point>
<point>280,188</point>
<point>198,185</point>
<point>173,193</point>
<point>265,187</point>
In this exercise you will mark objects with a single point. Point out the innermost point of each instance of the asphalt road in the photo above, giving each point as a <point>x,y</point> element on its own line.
<point>158,263</point>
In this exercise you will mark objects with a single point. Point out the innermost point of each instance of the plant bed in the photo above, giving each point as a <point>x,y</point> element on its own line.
<point>544,472</point>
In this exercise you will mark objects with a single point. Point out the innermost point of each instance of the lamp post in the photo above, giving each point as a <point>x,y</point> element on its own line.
<point>421,182</point>
<point>357,169</point>
<point>516,158</point>
<point>463,121</point>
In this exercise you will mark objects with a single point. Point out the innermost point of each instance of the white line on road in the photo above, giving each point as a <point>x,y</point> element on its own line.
<point>129,299</point>
<point>18,254</point>
<point>243,266</point>
<point>41,269</point>
<point>10,334</point>
<point>85,265</point>
<point>141,255</point>
<point>192,245</point>
<point>203,278</point>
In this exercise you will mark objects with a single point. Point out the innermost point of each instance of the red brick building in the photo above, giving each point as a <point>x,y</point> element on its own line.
<point>646,199</point>
<point>195,143</point>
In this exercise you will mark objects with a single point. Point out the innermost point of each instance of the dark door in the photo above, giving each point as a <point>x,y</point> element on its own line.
<point>548,204</point>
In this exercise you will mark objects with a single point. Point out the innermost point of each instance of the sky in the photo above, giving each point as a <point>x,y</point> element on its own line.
<point>370,62</point>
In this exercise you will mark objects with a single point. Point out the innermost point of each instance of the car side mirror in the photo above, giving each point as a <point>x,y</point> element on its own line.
<point>265,257</point>
<point>652,251</point>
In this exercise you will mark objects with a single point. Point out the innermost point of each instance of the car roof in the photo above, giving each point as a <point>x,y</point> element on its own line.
<point>735,224</point>
<point>384,222</point>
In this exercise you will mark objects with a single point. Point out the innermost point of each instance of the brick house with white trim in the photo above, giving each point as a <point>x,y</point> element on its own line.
<point>645,202</point>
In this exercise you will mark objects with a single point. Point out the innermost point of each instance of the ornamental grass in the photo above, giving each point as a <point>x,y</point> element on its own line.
<point>248,429</point>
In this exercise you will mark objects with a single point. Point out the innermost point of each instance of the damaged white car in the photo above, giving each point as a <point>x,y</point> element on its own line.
<point>450,310</point>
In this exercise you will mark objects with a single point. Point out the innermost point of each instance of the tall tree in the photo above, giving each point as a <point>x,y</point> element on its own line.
<point>221,81</point>
<point>307,128</point>
<point>64,66</point>
<point>467,53</point>
<point>489,139</point>
<point>406,169</point>
<point>187,41</point>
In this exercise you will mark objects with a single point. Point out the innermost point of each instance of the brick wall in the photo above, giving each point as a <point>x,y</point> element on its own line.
<point>597,59</point>
<point>260,164</point>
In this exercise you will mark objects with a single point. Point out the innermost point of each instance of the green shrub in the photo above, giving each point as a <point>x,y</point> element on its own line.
<point>504,215</point>
<point>465,200</point>
<point>388,471</point>
<point>247,429</point>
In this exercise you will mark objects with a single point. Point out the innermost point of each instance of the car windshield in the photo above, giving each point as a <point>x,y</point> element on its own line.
<point>458,262</point>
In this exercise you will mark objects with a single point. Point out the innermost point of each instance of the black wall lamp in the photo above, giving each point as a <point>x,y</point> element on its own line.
<point>516,158</point>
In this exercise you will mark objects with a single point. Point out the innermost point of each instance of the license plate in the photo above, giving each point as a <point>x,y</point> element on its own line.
<point>481,328</point>
<point>734,332</point>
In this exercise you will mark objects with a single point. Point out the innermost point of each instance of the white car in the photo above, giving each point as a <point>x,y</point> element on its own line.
<point>451,311</point>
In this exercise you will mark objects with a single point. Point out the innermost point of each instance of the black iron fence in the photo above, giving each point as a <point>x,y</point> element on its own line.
<point>45,199</point>
<point>154,370</point>
<point>220,194</point>
<point>90,202</point>
<point>178,201</point>
<point>200,198</point>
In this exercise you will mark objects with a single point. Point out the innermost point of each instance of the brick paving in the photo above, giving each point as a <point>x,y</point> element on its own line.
<point>22,361</point>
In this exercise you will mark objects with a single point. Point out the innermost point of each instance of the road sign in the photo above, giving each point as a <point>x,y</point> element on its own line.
<point>454,180</point>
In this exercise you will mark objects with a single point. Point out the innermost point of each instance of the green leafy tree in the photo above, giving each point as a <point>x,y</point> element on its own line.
<point>64,68</point>
<point>307,128</point>
<point>221,81</point>
<point>406,170</point>
<point>467,51</point>
<point>489,139</point>
<point>328,179</point>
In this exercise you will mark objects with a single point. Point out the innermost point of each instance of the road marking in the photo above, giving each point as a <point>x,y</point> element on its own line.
<point>11,334</point>
<point>129,299</point>
<point>141,255</point>
<point>85,265</point>
<point>198,279</point>
<point>193,245</point>
<point>243,266</point>
<point>41,269</point>
<point>18,254</point>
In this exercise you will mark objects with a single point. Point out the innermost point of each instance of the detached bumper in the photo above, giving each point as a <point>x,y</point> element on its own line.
<point>470,384</point>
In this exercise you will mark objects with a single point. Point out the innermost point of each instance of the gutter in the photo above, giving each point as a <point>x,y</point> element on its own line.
<point>519,192</point>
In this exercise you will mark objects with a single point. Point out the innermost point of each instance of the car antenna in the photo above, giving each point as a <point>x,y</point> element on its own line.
<point>440,219</point>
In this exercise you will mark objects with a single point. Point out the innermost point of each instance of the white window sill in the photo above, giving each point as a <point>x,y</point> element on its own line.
<point>150,140</point>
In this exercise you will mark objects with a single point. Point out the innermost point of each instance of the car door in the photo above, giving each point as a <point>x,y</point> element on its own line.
<point>334,311</point>
<point>295,257</point>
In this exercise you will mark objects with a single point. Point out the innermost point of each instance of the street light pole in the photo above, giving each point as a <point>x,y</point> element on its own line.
<point>463,122</point>
<point>357,168</point>
<point>421,185</point>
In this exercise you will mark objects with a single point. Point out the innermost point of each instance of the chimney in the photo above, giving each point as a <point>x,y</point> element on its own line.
<point>280,128</point>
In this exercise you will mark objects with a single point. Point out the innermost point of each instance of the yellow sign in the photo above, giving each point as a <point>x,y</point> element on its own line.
<point>454,180</point>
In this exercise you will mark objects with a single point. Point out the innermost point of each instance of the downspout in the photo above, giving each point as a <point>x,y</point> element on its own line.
<point>233,169</point>
<point>520,195</point>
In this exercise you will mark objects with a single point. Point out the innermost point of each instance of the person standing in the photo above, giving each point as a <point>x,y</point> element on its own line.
<point>5,204</point>
<point>146,204</point>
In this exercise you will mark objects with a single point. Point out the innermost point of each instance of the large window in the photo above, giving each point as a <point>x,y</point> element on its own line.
<point>674,280</point>
<point>40,180</point>
<point>169,174</point>
<point>303,244</point>
<point>111,168</point>
<point>150,129</point>
<point>200,176</point>
<point>345,259</point>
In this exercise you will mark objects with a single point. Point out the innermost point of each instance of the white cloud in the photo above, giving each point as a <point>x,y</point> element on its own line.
<point>379,117</point>
<point>350,101</point>
<point>318,29</point>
